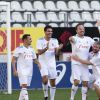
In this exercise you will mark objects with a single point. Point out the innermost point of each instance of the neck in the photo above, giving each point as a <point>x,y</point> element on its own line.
<point>25,45</point>
<point>47,38</point>
<point>81,36</point>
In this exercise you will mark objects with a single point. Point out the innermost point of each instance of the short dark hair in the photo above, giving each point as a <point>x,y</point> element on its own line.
<point>97,42</point>
<point>25,36</point>
<point>46,27</point>
<point>78,25</point>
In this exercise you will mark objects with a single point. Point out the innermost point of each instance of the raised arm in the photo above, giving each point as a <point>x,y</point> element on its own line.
<point>71,39</point>
<point>98,25</point>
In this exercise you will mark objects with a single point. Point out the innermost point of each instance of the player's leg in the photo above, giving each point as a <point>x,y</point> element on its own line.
<point>45,86</point>
<point>24,83</point>
<point>97,87</point>
<point>84,89</point>
<point>52,76</point>
<point>76,80</point>
<point>85,79</point>
<point>74,88</point>
<point>52,89</point>
<point>44,74</point>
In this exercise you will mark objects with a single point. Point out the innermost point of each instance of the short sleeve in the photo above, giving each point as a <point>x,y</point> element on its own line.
<point>91,41</point>
<point>75,39</point>
<point>39,46</point>
<point>95,60</point>
<point>16,52</point>
<point>56,43</point>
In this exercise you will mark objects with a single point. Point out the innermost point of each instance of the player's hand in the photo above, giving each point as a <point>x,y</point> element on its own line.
<point>98,23</point>
<point>60,46</point>
<point>15,73</point>
<point>47,45</point>
<point>39,65</point>
<point>68,58</point>
<point>75,57</point>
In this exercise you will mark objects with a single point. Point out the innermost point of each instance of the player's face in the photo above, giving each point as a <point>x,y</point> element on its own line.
<point>96,48</point>
<point>80,30</point>
<point>28,40</point>
<point>48,33</point>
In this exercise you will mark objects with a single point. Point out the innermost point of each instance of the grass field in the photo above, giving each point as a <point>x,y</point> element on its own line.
<point>61,94</point>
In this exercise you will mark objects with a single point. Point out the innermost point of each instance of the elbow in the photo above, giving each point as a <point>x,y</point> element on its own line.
<point>39,53</point>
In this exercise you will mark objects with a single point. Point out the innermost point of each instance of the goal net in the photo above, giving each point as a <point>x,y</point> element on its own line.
<point>5,48</point>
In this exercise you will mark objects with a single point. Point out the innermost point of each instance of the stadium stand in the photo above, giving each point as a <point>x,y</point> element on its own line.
<point>41,12</point>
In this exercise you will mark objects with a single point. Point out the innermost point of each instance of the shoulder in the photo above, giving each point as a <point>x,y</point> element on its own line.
<point>40,39</point>
<point>87,37</point>
<point>99,53</point>
<point>19,47</point>
<point>54,39</point>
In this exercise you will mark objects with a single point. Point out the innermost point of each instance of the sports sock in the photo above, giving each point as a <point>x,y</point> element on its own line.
<point>84,93</point>
<point>25,94</point>
<point>52,92</point>
<point>45,90</point>
<point>73,91</point>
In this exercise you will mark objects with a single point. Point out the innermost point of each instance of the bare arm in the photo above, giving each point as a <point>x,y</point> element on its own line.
<point>57,50</point>
<point>98,25</point>
<point>71,39</point>
<point>81,60</point>
<point>37,62</point>
<point>14,60</point>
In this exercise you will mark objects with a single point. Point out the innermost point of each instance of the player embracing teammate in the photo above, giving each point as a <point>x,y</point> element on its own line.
<point>80,46</point>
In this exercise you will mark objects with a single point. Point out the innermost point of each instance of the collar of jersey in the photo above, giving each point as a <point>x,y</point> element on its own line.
<point>79,37</point>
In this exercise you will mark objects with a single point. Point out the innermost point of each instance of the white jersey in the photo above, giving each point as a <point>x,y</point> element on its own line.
<point>81,47</point>
<point>25,58</point>
<point>47,59</point>
<point>96,65</point>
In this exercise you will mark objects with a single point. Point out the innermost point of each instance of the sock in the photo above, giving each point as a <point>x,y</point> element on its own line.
<point>25,94</point>
<point>45,90</point>
<point>52,92</point>
<point>73,91</point>
<point>21,95</point>
<point>84,93</point>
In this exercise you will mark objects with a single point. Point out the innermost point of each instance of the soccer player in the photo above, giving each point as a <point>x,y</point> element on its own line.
<point>80,46</point>
<point>47,49</point>
<point>24,56</point>
<point>95,62</point>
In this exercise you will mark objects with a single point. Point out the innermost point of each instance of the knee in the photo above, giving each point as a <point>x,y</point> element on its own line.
<point>24,85</point>
<point>45,80</point>
<point>76,82</point>
<point>52,82</point>
<point>85,84</point>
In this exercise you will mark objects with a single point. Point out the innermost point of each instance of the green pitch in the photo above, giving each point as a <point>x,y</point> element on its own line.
<point>61,94</point>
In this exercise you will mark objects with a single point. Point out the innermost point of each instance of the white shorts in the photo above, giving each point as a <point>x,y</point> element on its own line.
<point>25,80</point>
<point>50,72</point>
<point>80,72</point>
<point>97,82</point>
